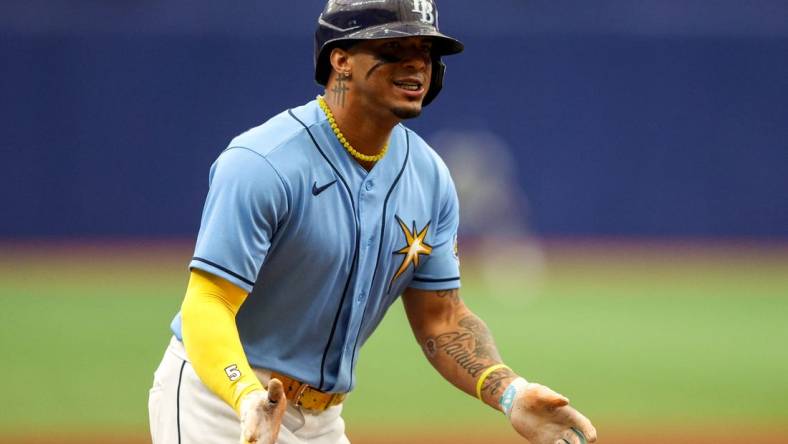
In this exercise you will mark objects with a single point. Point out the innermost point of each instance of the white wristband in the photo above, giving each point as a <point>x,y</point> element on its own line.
<point>507,399</point>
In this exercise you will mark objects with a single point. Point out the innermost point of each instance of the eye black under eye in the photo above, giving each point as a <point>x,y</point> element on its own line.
<point>389,57</point>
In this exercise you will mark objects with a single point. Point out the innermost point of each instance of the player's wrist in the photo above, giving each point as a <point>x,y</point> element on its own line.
<point>510,394</point>
<point>249,396</point>
<point>485,375</point>
<point>492,382</point>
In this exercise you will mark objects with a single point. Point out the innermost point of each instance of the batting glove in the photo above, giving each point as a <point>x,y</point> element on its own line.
<point>261,414</point>
<point>543,416</point>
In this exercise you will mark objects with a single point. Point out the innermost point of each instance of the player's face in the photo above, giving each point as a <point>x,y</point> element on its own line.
<point>393,73</point>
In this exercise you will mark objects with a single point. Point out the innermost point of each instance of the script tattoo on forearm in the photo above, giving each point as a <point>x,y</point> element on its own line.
<point>496,383</point>
<point>485,347</point>
<point>339,91</point>
<point>472,348</point>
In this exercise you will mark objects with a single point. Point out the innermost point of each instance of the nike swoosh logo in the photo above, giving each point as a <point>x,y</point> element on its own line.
<point>316,190</point>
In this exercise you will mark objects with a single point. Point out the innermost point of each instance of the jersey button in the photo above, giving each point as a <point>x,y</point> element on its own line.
<point>360,297</point>
<point>369,185</point>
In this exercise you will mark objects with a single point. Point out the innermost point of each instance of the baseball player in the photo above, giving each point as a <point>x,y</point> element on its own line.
<point>314,224</point>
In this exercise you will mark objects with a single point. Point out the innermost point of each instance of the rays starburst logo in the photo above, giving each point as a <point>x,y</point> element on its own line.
<point>415,247</point>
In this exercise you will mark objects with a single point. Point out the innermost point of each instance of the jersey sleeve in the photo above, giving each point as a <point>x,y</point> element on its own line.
<point>247,200</point>
<point>442,270</point>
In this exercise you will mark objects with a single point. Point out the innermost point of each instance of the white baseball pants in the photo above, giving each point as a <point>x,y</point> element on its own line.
<point>184,411</point>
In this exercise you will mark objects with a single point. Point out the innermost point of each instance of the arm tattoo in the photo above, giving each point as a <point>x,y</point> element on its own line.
<point>452,295</point>
<point>485,347</point>
<point>497,382</point>
<point>472,348</point>
<point>339,91</point>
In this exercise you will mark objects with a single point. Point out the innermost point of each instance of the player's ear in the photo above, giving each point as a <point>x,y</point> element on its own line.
<point>341,61</point>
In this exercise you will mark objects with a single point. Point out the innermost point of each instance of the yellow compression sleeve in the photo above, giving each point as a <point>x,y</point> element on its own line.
<point>210,336</point>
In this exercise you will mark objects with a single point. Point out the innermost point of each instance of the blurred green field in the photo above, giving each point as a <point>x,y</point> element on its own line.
<point>683,338</point>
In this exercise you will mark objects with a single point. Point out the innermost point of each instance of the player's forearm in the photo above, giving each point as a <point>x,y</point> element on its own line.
<point>462,349</point>
<point>211,338</point>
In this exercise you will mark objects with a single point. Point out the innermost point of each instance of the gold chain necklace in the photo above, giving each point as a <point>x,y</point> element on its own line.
<point>341,137</point>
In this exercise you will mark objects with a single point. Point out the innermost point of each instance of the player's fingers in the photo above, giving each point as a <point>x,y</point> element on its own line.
<point>582,425</point>
<point>580,435</point>
<point>589,431</point>
<point>251,428</point>
<point>276,392</point>
<point>251,416</point>
<point>572,436</point>
<point>271,411</point>
<point>538,396</point>
<point>275,405</point>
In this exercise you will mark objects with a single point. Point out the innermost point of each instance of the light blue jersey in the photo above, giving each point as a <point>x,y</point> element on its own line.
<point>323,246</point>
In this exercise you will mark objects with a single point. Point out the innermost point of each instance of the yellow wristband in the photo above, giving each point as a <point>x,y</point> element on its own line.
<point>484,376</point>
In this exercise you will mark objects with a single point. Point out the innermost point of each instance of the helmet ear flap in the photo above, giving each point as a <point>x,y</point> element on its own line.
<point>436,84</point>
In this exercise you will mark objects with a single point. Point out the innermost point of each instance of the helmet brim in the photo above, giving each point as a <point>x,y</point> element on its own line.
<point>443,45</point>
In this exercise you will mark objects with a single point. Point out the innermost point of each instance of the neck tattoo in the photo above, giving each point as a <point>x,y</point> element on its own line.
<point>340,89</point>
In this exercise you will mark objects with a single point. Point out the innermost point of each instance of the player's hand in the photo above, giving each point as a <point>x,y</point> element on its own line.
<point>261,414</point>
<point>545,417</point>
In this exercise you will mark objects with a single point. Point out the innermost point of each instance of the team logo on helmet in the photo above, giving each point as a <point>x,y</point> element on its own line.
<point>426,9</point>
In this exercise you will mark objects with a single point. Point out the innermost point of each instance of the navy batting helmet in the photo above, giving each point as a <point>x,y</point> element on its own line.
<point>347,21</point>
